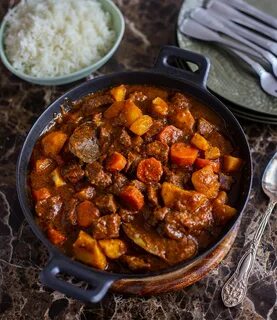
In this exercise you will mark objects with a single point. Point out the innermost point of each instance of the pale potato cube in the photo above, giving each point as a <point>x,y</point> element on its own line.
<point>113,248</point>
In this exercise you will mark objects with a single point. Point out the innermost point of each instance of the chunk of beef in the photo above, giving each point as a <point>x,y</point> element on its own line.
<point>86,193</point>
<point>125,138</point>
<point>84,144</point>
<point>49,208</point>
<point>156,216</point>
<point>179,101</point>
<point>127,215</point>
<point>135,263</point>
<point>106,203</point>
<point>204,127</point>
<point>158,150</point>
<point>153,194</point>
<point>178,177</point>
<point>225,181</point>
<point>72,172</point>
<point>70,208</point>
<point>154,130</point>
<point>137,96</point>
<point>119,181</point>
<point>106,227</point>
<point>95,101</point>
<point>216,139</point>
<point>97,119</point>
<point>138,184</point>
<point>133,159</point>
<point>97,176</point>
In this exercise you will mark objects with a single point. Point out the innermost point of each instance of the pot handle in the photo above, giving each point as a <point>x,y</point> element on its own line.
<point>172,53</point>
<point>100,282</point>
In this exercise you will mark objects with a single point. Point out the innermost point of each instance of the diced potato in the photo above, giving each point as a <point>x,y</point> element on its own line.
<point>183,154</point>
<point>171,195</point>
<point>183,119</point>
<point>132,198</point>
<point>116,162</point>
<point>159,106</point>
<point>87,250</point>
<point>222,212</point>
<point>57,178</point>
<point>55,236</point>
<point>130,113</point>
<point>119,93</point>
<point>231,164</point>
<point>86,213</point>
<point>113,248</point>
<point>206,181</point>
<point>43,164</point>
<point>41,194</point>
<point>53,142</point>
<point>201,163</point>
<point>222,197</point>
<point>141,125</point>
<point>200,142</point>
<point>114,110</point>
<point>212,153</point>
<point>136,263</point>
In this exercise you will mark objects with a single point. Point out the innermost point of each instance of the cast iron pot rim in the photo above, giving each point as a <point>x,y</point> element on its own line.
<point>54,252</point>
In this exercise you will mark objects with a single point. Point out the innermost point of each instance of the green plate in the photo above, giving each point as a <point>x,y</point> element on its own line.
<point>228,78</point>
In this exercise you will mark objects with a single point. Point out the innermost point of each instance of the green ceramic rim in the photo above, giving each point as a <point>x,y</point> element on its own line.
<point>119,26</point>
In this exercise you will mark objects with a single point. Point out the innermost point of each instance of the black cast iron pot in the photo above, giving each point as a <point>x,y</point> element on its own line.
<point>163,74</point>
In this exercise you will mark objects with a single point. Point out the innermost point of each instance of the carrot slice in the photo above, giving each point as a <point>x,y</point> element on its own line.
<point>86,213</point>
<point>116,162</point>
<point>149,170</point>
<point>41,194</point>
<point>132,198</point>
<point>182,154</point>
<point>55,236</point>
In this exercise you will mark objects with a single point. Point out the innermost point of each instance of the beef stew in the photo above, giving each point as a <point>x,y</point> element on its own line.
<point>134,178</point>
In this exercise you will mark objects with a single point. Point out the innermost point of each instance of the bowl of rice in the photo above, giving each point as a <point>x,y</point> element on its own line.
<point>51,42</point>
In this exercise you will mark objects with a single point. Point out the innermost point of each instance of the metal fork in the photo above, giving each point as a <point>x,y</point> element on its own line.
<point>195,30</point>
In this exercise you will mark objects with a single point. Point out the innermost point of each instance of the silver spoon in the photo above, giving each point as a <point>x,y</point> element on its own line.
<point>234,290</point>
<point>194,29</point>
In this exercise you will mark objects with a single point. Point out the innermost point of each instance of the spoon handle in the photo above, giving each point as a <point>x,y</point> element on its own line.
<point>234,290</point>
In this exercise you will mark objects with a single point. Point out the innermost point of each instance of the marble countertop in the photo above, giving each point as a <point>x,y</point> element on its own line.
<point>149,24</point>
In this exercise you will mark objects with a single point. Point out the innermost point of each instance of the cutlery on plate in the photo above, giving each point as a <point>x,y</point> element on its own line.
<point>204,17</point>
<point>250,10</point>
<point>246,33</point>
<point>242,19</point>
<point>234,290</point>
<point>195,30</point>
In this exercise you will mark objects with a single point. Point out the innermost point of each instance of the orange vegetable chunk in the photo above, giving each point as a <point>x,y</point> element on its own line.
<point>86,213</point>
<point>231,164</point>
<point>41,194</point>
<point>200,142</point>
<point>201,163</point>
<point>42,165</point>
<point>206,181</point>
<point>160,107</point>
<point>130,113</point>
<point>87,250</point>
<point>183,119</point>
<point>212,153</point>
<point>114,110</point>
<point>141,125</point>
<point>170,135</point>
<point>149,170</point>
<point>116,162</point>
<point>119,93</point>
<point>183,154</point>
<point>57,178</point>
<point>113,248</point>
<point>222,212</point>
<point>132,198</point>
<point>55,236</point>
<point>53,142</point>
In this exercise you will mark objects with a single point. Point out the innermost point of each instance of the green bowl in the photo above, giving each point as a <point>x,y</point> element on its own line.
<point>118,26</point>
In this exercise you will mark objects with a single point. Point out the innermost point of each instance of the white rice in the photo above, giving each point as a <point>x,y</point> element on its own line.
<point>48,38</point>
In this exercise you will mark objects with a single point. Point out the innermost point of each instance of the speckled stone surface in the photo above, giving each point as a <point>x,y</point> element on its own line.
<point>149,24</point>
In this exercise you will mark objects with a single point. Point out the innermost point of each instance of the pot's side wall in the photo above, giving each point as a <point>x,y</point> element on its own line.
<point>180,278</point>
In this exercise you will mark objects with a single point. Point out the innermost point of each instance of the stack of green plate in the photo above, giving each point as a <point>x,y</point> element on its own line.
<point>229,78</point>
